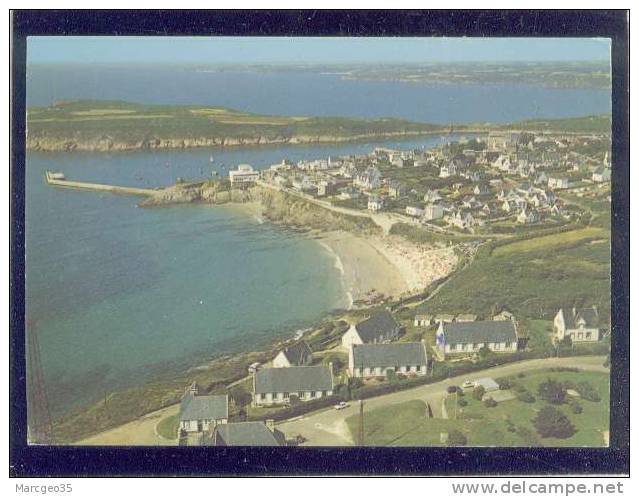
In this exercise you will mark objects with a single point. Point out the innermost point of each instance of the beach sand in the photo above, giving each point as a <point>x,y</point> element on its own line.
<point>389,265</point>
<point>364,268</point>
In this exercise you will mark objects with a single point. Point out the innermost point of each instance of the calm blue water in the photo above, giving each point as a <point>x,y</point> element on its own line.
<point>308,93</point>
<point>120,294</point>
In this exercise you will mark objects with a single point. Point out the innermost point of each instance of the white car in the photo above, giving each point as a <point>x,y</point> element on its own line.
<point>468,384</point>
<point>340,406</point>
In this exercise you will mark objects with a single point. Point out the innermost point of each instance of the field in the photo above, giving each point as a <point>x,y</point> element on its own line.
<point>508,424</point>
<point>532,276</point>
<point>553,241</point>
<point>128,122</point>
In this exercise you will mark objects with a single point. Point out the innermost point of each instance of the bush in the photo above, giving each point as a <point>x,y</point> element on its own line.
<point>552,392</point>
<point>528,436</point>
<point>576,408</point>
<point>551,422</point>
<point>462,402</point>
<point>456,439</point>
<point>391,376</point>
<point>588,392</point>
<point>451,389</point>
<point>478,392</point>
<point>485,352</point>
<point>526,397</point>
<point>490,402</point>
<point>504,384</point>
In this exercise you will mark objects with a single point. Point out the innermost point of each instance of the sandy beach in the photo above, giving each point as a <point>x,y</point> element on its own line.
<point>387,265</point>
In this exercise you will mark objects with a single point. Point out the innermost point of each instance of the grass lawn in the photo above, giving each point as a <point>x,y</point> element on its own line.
<point>407,424</point>
<point>168,427</point>
<point>590,424</point>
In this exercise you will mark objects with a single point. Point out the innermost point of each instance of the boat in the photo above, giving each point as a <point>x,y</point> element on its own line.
<point>211,159</point>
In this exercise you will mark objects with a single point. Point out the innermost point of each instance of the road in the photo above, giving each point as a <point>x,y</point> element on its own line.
<point>139,432</point>
<point>328,427</point>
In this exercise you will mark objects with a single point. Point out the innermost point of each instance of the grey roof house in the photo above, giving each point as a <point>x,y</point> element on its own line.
<point>580,325</point>
<point>298,354</point>
<point>202,412</point>
<point>278,385</point>
<point>379,328</point>
<point>367,360</point>
<point>469,337</point>
<point>246,434</point>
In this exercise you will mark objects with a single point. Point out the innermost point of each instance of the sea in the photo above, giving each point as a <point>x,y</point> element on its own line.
<point>121,295</point>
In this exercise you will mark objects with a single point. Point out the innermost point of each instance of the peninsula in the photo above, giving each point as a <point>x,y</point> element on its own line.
<point>103,126</point>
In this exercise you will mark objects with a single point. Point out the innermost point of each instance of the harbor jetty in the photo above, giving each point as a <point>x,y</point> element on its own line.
<point>58,179</point>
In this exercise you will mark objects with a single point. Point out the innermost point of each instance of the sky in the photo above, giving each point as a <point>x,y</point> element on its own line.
<point>283,50</point>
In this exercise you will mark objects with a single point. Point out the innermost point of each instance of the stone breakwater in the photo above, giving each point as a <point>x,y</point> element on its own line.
<point>109,144</point>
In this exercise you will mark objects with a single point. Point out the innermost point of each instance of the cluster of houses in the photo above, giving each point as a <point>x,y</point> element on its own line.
<point>373,352</point>
<point>466,184</point>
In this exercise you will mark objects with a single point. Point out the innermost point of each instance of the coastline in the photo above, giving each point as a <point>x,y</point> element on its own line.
<point>386,266</point>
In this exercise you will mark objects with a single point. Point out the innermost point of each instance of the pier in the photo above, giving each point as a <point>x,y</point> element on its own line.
<point>58,179</point>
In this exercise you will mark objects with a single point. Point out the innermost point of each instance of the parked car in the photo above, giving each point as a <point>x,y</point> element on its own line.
<point>340,406</point>
<point>468,384</point>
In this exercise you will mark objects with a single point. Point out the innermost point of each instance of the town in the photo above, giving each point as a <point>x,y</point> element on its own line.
<point>505,182</point>
<point>357,381</point>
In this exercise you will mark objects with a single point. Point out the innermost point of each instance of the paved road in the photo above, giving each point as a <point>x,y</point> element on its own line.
<point>328,427</point>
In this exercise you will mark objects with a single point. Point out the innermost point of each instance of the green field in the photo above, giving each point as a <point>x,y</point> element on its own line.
<point>508,424</point>
<point>553,241</point>
<point>168,427</point>
<point>129,123</point>
<point>532,277</point>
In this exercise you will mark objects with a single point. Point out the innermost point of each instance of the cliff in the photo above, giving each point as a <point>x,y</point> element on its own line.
<point>277,207</point>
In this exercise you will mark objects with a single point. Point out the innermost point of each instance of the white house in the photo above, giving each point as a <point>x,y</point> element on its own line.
<point>375,203</point>
<point>558,182</point>
<point>298,354</point>
<point>470,337</point>
<point>601,175</point>
<point>200,413</point>
<point>369,179</point>
<point>447,170</point>
<point>370,360</point>
<point>581,325</point>
<point>379,328</point>
<point>528,216</point>
<point>433,211</point>
<point>274,386</point>
<point>414,211</point>
<point>422,320</point>
<point>244,174</point>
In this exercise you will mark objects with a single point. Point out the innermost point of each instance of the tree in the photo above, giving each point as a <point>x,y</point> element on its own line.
<point>484,352</point>
<point>552,391</point>
<point>526,397</point>
<point>490,402</point>
<point>566,342</point>
<point>391,376</point>
<point>478,392</point>
<point>588,392</point>
<point>551,422</point>
<point>456,439</point>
